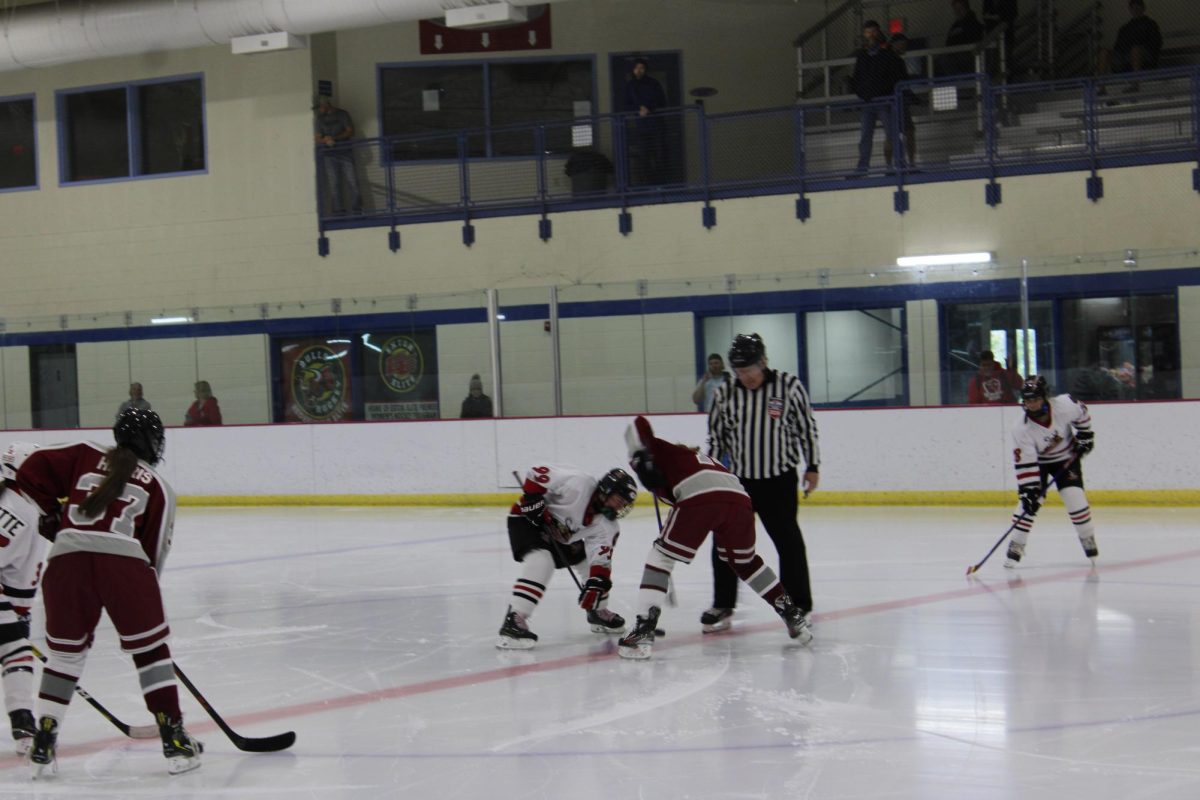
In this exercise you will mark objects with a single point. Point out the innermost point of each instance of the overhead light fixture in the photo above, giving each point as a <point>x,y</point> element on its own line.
<point>1131,258</point>
<point>948,259</point>
<point>169,320</point>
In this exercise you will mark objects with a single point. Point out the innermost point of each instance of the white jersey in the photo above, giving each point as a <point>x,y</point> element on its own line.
<point>22,552</point>
<point>568,493</point>
<point>1050,441</point>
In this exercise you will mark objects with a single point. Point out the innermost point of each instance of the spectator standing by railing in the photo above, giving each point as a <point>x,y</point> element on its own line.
<point>1138,45</point>
<point>966,29</point>
<point>333,129</point>
<point>644,96</point>
<point>877,70</point>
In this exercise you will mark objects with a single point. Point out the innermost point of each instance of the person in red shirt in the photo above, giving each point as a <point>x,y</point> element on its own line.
<point>111,544</point>
<point>705,497</point>
<point>992,383</point>
<point>205,410</point>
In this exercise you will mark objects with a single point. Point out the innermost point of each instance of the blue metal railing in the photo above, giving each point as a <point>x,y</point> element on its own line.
<point>963,128</point>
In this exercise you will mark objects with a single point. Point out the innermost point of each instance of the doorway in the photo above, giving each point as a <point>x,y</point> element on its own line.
<point>54,383</point>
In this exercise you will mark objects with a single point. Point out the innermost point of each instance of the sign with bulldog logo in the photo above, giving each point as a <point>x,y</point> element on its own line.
<point>316,380</point>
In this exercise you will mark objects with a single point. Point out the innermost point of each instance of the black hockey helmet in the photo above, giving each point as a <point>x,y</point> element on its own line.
<point>142,432</point>
<point>1034,386</point>
<point>747,350</point>
<point>620,483</point>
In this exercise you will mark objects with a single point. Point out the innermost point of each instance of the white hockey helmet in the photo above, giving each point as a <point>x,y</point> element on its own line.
<point>14,456</point>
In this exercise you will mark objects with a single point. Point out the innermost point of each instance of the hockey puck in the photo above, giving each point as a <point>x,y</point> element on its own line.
<point>659,633</point>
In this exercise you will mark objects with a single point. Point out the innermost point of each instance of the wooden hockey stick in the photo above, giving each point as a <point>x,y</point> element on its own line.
<point>132,731</point>
<point>250,744</point>
<point>1023,515</point>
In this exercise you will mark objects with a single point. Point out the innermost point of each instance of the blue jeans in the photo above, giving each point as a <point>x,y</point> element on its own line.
<point>340,175</point>
<point>866,137</point>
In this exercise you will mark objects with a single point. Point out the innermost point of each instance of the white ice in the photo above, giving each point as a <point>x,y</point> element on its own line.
<point>370,633</point>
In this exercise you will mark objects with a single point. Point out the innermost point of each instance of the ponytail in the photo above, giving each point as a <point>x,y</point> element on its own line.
<point>121,463</point>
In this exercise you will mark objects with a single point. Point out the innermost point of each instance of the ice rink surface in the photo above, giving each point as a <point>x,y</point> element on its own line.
<point>370,632</point>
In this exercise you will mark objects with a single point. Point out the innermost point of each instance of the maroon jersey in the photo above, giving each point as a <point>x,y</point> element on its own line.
<point>691,477</point>
<point>137,524</point>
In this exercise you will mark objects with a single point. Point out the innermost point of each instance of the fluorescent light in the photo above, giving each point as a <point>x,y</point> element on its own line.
<point>169,320</point>
<point>944,260</point>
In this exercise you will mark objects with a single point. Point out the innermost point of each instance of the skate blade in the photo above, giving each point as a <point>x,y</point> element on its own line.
<point>610,631</point>
<point>43,771</point>
<point>177,765</point>
<point>637,652</point>
<point>508,643</point>
<point>1010,564</point>
<point>717,627</point>
<point>803,636</point>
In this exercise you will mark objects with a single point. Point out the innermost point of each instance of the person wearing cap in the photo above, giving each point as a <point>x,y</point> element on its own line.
<point>476,405</point>
<point>332,131</point>
<point>763,423</point>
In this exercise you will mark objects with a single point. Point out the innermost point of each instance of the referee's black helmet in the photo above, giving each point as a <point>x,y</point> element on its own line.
<point>747,350</point>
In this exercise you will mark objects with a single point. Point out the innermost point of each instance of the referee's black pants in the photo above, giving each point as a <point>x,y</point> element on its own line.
<point>776,504</point>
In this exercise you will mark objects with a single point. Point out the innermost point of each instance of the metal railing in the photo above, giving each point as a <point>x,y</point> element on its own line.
<point>960,127</point>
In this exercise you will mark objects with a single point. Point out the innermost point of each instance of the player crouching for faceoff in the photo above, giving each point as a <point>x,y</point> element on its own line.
<point>22,551</point>
<point>705,497</point>
<point>1051,440</point>
<point>115,536</point>
<point>564,518</point>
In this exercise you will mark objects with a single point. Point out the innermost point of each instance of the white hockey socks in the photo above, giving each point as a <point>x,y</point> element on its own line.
<point>536,570</point>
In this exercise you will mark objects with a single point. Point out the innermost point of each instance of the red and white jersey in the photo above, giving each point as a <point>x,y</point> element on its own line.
<point>138,524</point>
<point>22,549</point>
<point>568,494</point>
<point>1049,441</point>
<point>690,475</point>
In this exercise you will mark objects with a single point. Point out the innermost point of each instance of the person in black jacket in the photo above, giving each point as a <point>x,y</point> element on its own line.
<point>966,29</point>
<point>644,95</point>
<point>476,405</point>
<point>877,70</point>
<point>1139,43</point>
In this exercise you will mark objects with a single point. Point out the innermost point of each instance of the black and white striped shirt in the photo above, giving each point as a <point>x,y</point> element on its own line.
<point>764,432</point>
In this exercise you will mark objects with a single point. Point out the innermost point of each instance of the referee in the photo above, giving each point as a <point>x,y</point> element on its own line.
<point>763,424</point>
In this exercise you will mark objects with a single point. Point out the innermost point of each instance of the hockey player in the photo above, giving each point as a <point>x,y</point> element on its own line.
<point>564,518</point>
<point>115,536</point>
<point>1049,441</point>
<point>706,497</point>
<point>22,552</point>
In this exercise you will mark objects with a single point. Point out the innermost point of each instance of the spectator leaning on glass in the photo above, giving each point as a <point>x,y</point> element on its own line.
<point>205,410</point>
<point>763,422</point>
<point>716,376</point>
<point>992,383</point>
<point>476,405</point>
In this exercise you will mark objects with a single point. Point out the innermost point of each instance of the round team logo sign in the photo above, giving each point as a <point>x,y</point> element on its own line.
<point>401,364</point>
<point>319,382</point>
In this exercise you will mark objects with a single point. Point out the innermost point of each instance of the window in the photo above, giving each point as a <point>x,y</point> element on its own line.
<point>1122,348</point>
<point>145,128</point>
<point>446,98</point>
<point>18,150</point>
<point>971,328</point>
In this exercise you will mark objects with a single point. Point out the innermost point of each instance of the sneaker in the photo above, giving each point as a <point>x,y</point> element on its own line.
<point>23,729</point>
<point>41,752</point>
<point>1089,549</point>
<point>716,620</point>
<point>514,633</point>
<point>795,619</point>
<point>180,749</point>
<point>603,620</point>
<point>1015,551</point>
<point>639,643</point>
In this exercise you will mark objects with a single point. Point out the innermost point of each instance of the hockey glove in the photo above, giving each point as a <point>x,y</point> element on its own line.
<point>533,508</point>
<point>595,588</point>
<point>48,525</point>
<point>1084,442</point>
<point>643,467</point>
<point>1031,498</point>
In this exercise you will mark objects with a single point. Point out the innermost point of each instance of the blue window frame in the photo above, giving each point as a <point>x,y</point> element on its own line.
<point>152,128</point>
<point>18,143</point>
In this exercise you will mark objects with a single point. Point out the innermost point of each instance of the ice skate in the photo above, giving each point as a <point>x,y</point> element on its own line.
<point>1089,548</point>
<point>180,749</point>
<point>794,618</point>
<point>42,759</point>
<point>23,729</point>
<point>1015,551</point>
<point>603,620</point>
<point>716,620</point>
<point>640,642</point>
<point>515,633</point>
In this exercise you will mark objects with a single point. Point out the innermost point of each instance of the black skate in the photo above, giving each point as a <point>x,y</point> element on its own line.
<point>180,749</point>
<point>639,643</point>
<point>515,633</point>
<point>716,620</point>
<point>1015,551</point>
<point>795,619</point>
<point>41,753</point>
<point>23,729</point>
<point>604,621</point>
<point>1089,548</point>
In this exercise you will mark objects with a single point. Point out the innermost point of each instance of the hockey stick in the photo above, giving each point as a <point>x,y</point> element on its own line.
<point>250,744</point>
<point>1023,515</point>
<point>132,731</point>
